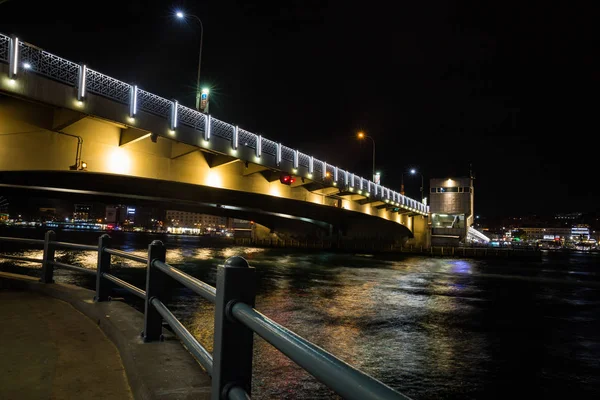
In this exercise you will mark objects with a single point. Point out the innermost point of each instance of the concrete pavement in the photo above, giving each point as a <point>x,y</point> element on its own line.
<point>49,350</point>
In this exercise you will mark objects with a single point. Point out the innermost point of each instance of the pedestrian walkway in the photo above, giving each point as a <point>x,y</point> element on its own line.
<point>49,350</point>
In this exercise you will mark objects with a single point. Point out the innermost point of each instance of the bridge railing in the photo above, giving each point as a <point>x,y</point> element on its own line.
<point>235,322</point>
<point>22,56</point>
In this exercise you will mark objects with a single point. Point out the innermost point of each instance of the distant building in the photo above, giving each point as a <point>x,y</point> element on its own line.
<point>47,214</point>
<point>574,216</point>
<point>119,214</point>
<point>82,212</point>
<point>452,211</point>
<point>548,233</point>
<point>184,219</point>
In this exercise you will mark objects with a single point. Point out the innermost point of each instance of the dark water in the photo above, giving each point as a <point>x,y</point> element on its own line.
<point>429,327</point>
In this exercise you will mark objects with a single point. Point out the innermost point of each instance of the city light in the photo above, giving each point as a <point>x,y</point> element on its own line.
<point>206,91</point>
<point>180,14</point>
<point>26,65</point>
<point>361,135</point>
<point>413,171</point>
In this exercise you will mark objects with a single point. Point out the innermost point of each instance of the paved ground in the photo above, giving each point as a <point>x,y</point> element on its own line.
<point>49,350</point>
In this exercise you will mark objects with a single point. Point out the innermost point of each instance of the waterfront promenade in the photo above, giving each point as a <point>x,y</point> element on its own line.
<point>58,344</point>
<point>52,351</point>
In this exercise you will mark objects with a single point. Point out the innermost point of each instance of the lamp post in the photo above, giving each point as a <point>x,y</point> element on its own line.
<point>414,172</point>
<point>362,135</point>
<point>181,15</point>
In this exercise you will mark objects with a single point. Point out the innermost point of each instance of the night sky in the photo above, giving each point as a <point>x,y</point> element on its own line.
<point>510,88</point>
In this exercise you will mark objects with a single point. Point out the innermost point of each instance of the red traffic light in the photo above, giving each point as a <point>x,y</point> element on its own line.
<point>287,179</point>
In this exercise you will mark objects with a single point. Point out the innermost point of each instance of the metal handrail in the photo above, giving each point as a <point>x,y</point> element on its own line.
<point>74,246</point>
<point>237,393</point>
<point>346,380</point>
<point>124,254</point>
<point>235,322</point>
<point>21,240</point>
<point>37,260</point>
<point>125,285</point>
<point>73,267</point>
<point>196,285</point>
<point>192,344</point>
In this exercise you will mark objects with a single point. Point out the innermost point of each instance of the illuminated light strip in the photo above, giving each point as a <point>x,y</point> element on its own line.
<point>207,129</point>
<point>235,138</point>
<point>13,57</point>
<point>174,105</point>
<point>346,178</point>
<point>279,153</point>
<point>258,146</point>
<point>324,169</point>
<point>296,157</point>
<point>133,101</point>
<point>335,174</point>
<point>360,184</point>
<point>352,180</point>
<point>81,83</point>
<point>311,165</point>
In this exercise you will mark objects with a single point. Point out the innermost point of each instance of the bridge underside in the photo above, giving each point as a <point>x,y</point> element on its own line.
<point>41,143</point>
<point>278,214</point>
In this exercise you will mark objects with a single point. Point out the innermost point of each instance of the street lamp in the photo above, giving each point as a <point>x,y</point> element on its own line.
<point>413,172</point>
<point>181,15</point>
<point>362,135</point>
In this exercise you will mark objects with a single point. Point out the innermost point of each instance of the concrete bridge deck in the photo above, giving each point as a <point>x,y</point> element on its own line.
<point>52,351</point>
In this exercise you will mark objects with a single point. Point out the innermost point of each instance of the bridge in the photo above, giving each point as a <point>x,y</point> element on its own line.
<point>71,130</point>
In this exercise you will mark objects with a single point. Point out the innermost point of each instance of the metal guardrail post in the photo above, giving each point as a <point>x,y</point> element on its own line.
<point>154,288</point>
<point>232,350</point>
<point>48,258</point>
<point>102,285</point>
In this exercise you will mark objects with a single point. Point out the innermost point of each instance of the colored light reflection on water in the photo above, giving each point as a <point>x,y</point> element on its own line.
<point>429,327</point>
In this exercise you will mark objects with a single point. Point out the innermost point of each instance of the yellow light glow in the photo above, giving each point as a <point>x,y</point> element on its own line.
<point>131,120</point>
<point>361,135</point>
<point>256,160</point>
<point>214,179</point>
<point>78,103</point>
<point>294,170</point>
<point>171,132</point>
<point>233,152</point>
<point>119,161</point>
<point>274,191</point>
<point>310,175</point>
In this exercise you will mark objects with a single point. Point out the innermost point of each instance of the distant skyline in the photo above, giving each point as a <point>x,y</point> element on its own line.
<point>505,87</point>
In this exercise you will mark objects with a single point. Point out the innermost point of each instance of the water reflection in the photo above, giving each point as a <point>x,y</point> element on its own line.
<point>430,327</point>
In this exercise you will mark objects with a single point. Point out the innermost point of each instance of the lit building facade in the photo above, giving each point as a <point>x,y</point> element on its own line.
<point>191,220</point>
<point>82,212</point>
<point>451,207</point>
